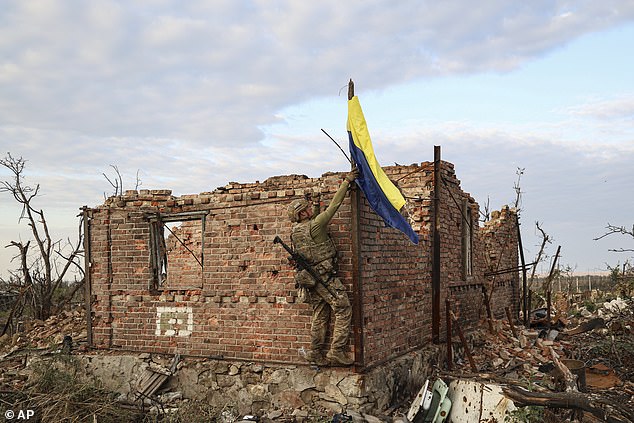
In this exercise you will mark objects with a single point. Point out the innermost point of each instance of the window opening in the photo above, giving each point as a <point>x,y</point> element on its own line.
<point>176,247</point>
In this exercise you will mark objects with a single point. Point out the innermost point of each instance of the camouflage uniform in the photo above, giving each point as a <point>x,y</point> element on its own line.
<point>311,239</point>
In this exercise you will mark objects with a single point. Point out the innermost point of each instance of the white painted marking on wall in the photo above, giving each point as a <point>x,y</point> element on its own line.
<point>174,321</point>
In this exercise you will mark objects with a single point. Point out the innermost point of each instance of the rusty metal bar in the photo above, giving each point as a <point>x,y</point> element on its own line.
<point>449,346</point>
<point>357,283</point>
<point>524,284</point>
<point>530,300</point>
<point>487,304</point>
<point>435,271</point>
<point>180,241</point>
<point>458,206</point>
<point>510,270</point>
<point>549,286</point>
<point>467,350</point>
<point>87,275</point>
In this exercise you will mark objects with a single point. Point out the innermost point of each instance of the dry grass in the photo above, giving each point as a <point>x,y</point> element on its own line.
<point>57,393</point>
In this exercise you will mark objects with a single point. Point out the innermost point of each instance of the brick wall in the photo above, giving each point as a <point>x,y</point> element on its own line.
<point>501,248</point>
<point>396,274</point>
<point>241,304</point>
<point>246,307</point>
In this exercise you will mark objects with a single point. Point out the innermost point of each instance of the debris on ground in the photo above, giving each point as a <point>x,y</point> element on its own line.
<point>594,345</point>
<point>48,335</point>
<point>517,370</point>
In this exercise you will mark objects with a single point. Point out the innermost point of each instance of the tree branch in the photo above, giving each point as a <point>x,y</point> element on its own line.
<point>596,405</point>
<point>611,229</point>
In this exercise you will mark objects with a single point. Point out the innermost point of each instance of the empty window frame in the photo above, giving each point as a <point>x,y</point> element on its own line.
<point>176,250</point>
<point>467,240</point>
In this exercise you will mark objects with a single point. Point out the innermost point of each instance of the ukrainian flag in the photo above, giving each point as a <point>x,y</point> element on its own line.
<point>382,195</point>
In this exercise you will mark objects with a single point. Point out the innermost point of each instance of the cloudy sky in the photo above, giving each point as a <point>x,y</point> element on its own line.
<point>192,95</point>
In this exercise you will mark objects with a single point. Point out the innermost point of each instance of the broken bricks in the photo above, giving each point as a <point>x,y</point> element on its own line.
<point>593,345</point>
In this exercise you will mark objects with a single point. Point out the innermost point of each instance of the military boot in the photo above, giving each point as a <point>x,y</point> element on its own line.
<point>315,357</point>
<point>338,358</point>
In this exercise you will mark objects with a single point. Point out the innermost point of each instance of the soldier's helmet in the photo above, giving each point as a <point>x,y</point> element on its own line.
<point>295,208</point>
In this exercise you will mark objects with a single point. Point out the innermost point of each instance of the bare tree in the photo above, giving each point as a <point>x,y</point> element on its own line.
<point>45,264</point>
<point>485,215</point>
<point>541,255</point>
<point>518,190</point>
<point>117,181</point>
<point>622,230</point>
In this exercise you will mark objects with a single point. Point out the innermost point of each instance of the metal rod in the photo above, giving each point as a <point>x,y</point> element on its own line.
<point>87,276</point>
<point>549,287</point>
<point>337,144</point>
<point>510,269</point>
<point>487,299</point>
<point>524,283</point>
<point>183,244</point>
<point>548,307</point>
<point>357,281</point>
<point>530,299</point>
<point>449,349</point>
<point>458,206</point>
<point>435,272</point>
<point>467,350</point>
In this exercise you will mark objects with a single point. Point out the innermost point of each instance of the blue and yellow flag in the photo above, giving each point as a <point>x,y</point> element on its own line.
<point>382,195</point>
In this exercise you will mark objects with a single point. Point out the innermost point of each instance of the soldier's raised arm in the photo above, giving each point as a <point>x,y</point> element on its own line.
<point>323,218</point>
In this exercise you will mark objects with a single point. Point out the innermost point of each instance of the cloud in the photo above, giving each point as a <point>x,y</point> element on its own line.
<point>217,74</point>
<point>619,108</point>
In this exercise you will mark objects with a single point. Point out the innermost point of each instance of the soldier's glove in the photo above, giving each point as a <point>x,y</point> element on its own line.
<point>352,175</point>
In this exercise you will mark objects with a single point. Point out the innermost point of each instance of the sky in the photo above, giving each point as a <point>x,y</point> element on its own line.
<point>189,96</point>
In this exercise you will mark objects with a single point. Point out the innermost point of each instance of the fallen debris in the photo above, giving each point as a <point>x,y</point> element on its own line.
<point>432,404</point>
<point>479,402</point>
<point>46,335</point>
<point>598,406</point>
<point>153,377</point>
<point>600,376</point>
<point>587,326</point>
<point>589,368</point>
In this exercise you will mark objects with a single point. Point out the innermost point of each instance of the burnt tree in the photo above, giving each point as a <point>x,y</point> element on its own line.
<point>44,262</point>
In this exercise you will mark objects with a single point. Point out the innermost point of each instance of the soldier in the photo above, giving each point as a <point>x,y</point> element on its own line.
<point>311,239</point>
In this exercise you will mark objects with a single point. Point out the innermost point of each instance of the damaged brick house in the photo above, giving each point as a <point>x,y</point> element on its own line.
<point>199,275</point>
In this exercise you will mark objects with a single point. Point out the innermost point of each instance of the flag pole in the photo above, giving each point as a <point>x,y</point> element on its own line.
<point>357,285</point>
<point>350,95</point>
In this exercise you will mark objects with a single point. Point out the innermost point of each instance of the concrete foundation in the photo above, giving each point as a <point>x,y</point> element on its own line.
<point>259,389</point>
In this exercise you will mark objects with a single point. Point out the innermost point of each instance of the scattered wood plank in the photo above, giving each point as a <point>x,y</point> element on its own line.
<point>153,377</point>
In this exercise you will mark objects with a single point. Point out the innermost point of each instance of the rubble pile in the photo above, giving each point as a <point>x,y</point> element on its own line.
<point>44,335</point>
<point>594,340</point>
<point>65,331</point>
